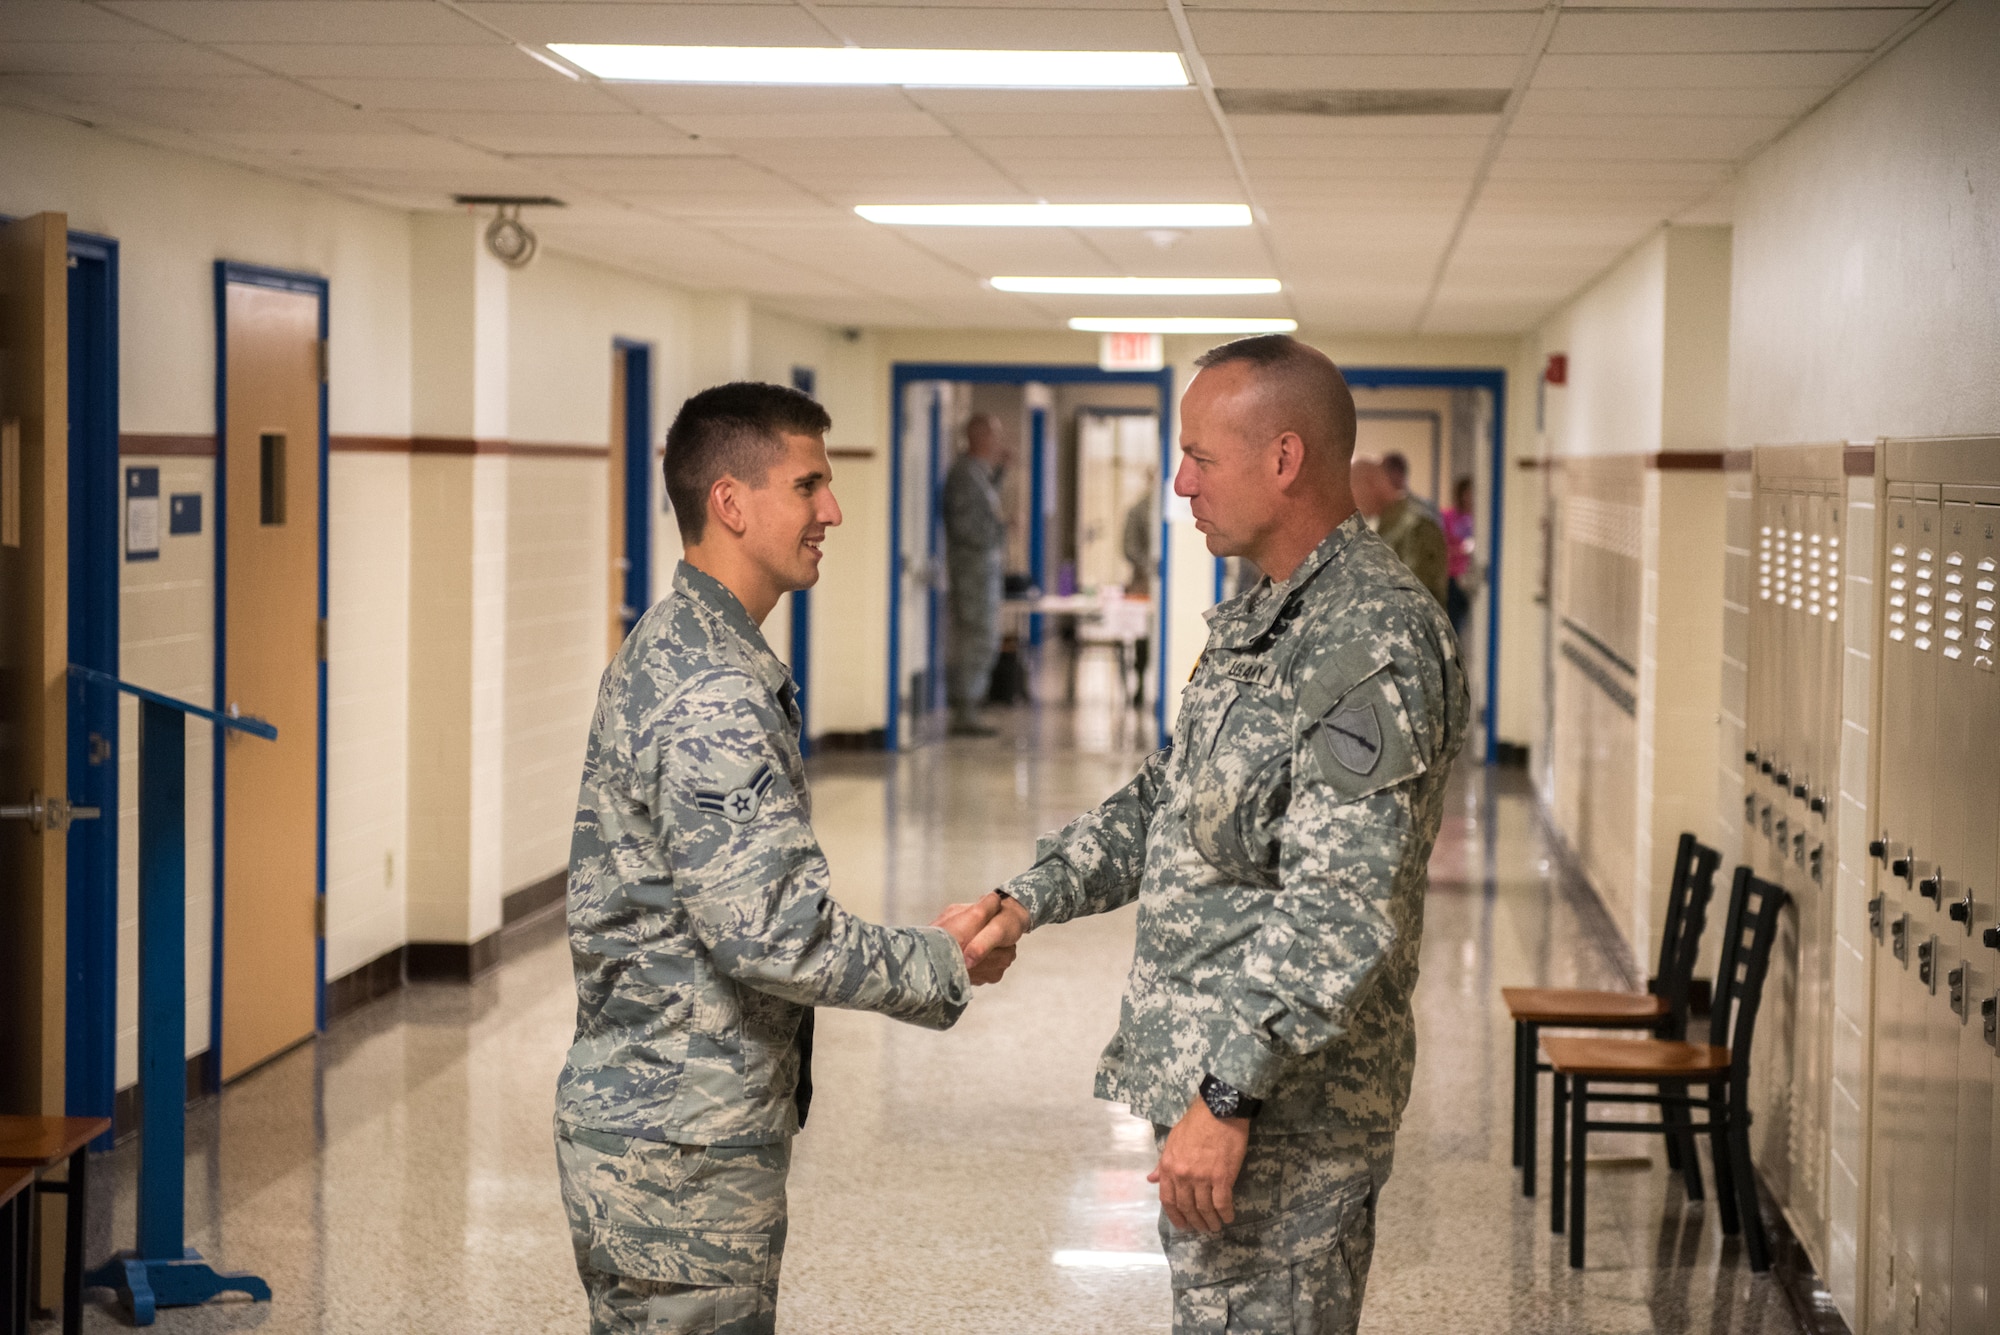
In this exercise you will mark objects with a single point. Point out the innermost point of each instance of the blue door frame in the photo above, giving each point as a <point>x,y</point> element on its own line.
<point>637,461</point>
<point>1493,381</point>
<point>312,285</point>
<point>91,962</point>
<point>904,374</point>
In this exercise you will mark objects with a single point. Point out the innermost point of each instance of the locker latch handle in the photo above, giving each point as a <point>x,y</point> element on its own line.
<point>1900,867</point>
<point>1817,806</point>
<point>1899,939</point>
<point>1875,907</point>
<point>1878,849</point>
<point>1749,757</point>
<point>1932,888</point>
<point>1955,985</point>
<point>1927,964</point>
<point>1989,1011</point>
<point>1765,766</point>
<point>1992,938</point>
<point>1798,790</point>
<point>1782,778</point>
<point>1816,860</point>
<point>1961,911</point>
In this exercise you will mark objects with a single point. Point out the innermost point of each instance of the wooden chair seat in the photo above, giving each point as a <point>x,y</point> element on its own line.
<point>1583,1009</point>
<point>1646,1059</point>
<point>36,1145</point>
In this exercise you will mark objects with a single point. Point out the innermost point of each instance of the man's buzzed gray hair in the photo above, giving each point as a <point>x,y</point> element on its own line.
<point>1305,377</point>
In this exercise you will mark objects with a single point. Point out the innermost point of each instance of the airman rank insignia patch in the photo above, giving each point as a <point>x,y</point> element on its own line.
<point>739,805</point>
<point>1355,738</point>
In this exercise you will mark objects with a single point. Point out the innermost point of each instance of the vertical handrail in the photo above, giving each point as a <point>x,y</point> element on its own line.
<point>162,1271</point>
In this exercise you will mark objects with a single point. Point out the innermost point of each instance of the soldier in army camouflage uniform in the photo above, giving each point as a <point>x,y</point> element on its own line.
<point>1277,850</point>
<point>700,924</point>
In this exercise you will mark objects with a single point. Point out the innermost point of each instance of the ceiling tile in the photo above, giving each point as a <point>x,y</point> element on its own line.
<point>1363,71</point>
<point>525,132</point>
<point>1053,28</point>
<point>1719,30</point>
<point>1783,101</point>
<point>552,94</point>
<point>313,60</point>
<point>69,21</point>
<point>804,126</point>
<point>1695,71</point>
<point>1233,33</point>
<point>985,125</point>
<point>155,62</point>
<point>371,22</point>
<point>665,24</point>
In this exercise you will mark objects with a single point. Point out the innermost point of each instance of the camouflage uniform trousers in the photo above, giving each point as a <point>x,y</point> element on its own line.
<point>675,1239</point>
<point>1295,1261</point>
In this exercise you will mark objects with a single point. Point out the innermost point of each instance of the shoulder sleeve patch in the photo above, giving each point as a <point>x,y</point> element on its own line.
<point>1362,743</point>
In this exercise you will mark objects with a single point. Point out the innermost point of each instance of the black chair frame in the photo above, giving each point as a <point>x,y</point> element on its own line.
<point>1688,898</point>
<point>1751,931</point>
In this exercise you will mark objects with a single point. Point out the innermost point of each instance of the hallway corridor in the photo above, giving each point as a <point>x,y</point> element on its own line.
<point>399,1175</point>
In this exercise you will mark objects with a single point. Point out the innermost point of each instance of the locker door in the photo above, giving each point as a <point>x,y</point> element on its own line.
<point>1893,1165</point>
<point>1973,703</point>
<point>1936,1041</point>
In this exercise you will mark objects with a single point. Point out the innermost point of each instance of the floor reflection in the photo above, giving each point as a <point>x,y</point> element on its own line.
<point>398,1175</point>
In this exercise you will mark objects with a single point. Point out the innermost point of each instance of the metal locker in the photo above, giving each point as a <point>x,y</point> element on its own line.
<point>1896,1161</point>
<point>1969,715</point>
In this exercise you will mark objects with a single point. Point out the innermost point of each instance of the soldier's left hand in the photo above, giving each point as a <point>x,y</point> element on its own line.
<point>1198,1167</point>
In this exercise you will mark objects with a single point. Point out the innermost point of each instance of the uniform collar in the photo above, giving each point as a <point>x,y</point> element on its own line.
<point>721,606</point>
<point>1243,621</point>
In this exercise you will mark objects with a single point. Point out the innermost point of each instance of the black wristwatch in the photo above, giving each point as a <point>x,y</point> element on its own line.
<point>1227,1101</point>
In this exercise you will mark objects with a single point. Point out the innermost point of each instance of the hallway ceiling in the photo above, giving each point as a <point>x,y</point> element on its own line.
<point>1615,117</point>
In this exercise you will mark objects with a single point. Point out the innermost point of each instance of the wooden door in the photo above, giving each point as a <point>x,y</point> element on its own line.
<point>34,631</point>
<point>271,651</point>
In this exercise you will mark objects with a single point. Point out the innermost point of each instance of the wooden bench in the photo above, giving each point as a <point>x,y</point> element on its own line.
<point>37,1145</point>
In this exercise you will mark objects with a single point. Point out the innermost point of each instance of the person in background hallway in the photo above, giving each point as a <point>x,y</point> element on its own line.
<point>1458,527</point>
<point>700,926</point>
<point>1405,524</point>
<point>1138,546</point>
<point>975,552</point>
<point>1278,855</point>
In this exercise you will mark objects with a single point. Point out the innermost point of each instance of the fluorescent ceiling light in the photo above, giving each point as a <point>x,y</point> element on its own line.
<point>861,65</point>
<point>1141,287</point>
<point>1177,324</point>
<point>1057,215</point>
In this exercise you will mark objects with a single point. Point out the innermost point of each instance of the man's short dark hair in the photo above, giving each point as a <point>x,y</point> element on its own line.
<point>1397,466</point>
<point>1303,376</point>
<point>735,430</point>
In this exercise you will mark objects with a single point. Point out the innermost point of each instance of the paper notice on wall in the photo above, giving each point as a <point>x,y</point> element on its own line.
<point>142,514</point>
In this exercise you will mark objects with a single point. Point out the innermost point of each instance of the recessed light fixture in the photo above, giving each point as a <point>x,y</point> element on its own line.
<point>1177,324</point>
<point>1057,215</point>
<point>854,65</point>
<point>1141,287</point>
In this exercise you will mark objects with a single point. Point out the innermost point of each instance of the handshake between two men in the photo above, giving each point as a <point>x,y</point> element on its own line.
<point>988,931</point>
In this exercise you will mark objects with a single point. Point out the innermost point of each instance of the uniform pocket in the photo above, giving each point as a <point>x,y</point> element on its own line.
<point>693,1257</point>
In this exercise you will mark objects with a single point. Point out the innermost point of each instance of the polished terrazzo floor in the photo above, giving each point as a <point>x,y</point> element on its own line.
<point>398,1175</point>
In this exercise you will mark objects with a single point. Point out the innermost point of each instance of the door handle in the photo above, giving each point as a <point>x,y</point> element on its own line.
<point>53,814</point>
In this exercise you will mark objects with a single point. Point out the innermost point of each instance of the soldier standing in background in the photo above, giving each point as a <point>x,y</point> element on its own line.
<point>1140,526</point>
<point>975,555</point>
<point>1278,851</point>
<point>700,925</point>
<point>1405,523</point>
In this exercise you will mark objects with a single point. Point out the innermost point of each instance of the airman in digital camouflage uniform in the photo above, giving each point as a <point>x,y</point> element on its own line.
<point>700,925</point>
<point>1277,850</point>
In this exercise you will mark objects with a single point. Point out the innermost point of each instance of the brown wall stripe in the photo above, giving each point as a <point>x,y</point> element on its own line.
<point>849,452</point>
<point>1859,460</point>
<point>461,445</point>
<point>177,447</point>
<point>1687,461</point>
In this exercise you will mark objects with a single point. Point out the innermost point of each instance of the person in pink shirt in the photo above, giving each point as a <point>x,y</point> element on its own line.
<point>1458,544</point>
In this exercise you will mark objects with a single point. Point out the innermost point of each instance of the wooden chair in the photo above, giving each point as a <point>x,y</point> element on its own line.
<point>16,1269</point>
<point>38,1144</point>
<point>1583,1065</point>
<point>1662,1008</point>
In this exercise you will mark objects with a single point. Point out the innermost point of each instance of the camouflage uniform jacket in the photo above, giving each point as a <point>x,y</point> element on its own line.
<point>1278,849</point>
<point>1416,534</point>
<point>700,924</point>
